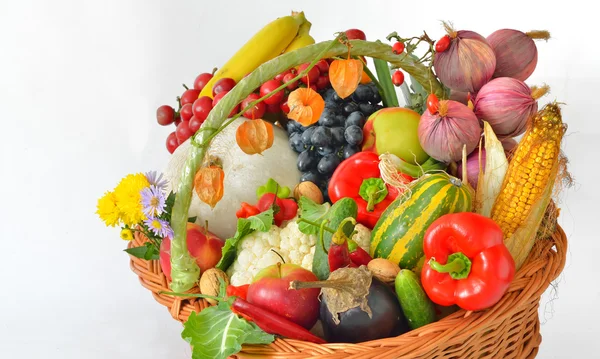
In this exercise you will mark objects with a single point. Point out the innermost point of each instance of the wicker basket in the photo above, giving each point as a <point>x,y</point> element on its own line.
<point>510,329</point>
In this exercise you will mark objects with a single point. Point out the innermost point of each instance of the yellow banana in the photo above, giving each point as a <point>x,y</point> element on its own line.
<point>265,45</point>
<point>302,39</point>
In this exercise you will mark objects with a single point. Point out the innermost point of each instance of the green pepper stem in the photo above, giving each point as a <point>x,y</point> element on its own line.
<point>372,190</point>
<point>371,201</point>
<point>458,266</point>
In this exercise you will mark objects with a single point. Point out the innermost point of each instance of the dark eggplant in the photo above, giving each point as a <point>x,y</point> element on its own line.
<point>355,325</point>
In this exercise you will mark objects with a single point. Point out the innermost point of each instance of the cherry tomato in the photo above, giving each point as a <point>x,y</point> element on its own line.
<point>398,48</point>
<point>201,107</point>
<point>177,120</point>
<point>355,34</point>
<point>442,44</point>
<point>287,78</point>
<point>322,81</point>
<point>183,131</point>
<point>218,98</point>
<point>256,112</point>
<point>432,103</point>
<point>172,142</point>
<point>313,87</point>
<point>222,85</point>
<point>312,75</point>
<point>284,107</point>
<point>189,96</point>
<point>273,108</point>
<point>186,112</point>
<point>165,115</point>
<point>269,87</point>
<point>280,76</point>
<point>398,78</point>
<point>323,66</point>
<point>195,124</point>
<point>202,80</point>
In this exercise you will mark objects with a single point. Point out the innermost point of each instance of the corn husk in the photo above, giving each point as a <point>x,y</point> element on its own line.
<point>490,181</point>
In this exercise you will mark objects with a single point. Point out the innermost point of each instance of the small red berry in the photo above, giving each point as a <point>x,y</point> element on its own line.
<point>322,81</point>
<point>172,142</point>
<point>223,85</point>
<point>202,80</point>
<point>269,87</point>
<point>201,107</point>
<point>186,112</point>
<point>284,107</point>
<point>189,96</point>
<point>442,44</point>
<point>433,103</point>
<point>323,66</point>
<point>289,77</point>
<point>280,76</point>
<point>256,112</point>
<point>165,115</point>
<point>312,75</point>
<point>183,131</point>
<point>195,124</point>
<point>398,48</point>
<point>314,88</point>
<point>218,98</point>
<point>398,78</point>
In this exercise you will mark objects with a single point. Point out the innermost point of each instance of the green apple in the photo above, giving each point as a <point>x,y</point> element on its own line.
<point>394,130</point>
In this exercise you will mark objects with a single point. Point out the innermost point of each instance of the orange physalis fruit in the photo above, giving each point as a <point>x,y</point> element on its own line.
<point>254,136</point>
<point>365,79</point>
<point>208,184</point>
<point>345,75</point>
<point>306,106</point>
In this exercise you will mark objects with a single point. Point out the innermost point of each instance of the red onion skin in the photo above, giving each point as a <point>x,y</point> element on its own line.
<point>516,54</point>
<point>443,137</point>
<point>473,167</point>
<point>506,104</point>
<point>467,64</point>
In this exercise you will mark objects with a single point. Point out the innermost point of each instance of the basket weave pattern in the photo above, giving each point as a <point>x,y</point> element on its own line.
<point>510,329</point>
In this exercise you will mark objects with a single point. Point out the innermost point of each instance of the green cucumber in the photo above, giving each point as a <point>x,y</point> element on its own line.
<point>416,306</point>
<point>342,209</point>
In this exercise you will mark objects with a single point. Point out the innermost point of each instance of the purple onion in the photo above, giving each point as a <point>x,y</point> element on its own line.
<point>473,167</point>
<point>467,64</point>
<point>506,104</point>
<point>443,134</point>
<point>516,53</point>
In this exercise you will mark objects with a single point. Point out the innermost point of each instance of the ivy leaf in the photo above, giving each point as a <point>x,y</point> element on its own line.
<point>260,222</point>
<point>217,333</point>
<point>311,211</point>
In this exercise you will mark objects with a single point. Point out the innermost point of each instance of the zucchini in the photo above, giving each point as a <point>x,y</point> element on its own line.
<point>416,306</point>
<point>342,209</point>
<point>398,235</point>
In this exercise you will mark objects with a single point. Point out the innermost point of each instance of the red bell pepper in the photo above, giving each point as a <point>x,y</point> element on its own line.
<point>478,267</point>
<point>284,209</point>
<point>359,178</point>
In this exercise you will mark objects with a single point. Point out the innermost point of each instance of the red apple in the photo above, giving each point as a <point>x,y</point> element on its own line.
<point>271,291</point>
<point>355,34</point>
<point>204,246</point>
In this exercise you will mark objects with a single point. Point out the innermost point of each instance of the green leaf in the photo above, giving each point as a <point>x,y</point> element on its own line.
<point>192,219</point>
<point>273,187</point>
<point>260,222</point>
<point>148,251</point>
<point>217,333</point>
<point>389,97</point>
<point>311,211</point>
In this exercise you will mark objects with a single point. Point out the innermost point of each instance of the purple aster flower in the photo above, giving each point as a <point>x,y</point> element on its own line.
<point>156,179</point>
<point>153,201</point>
<point>159,227</point>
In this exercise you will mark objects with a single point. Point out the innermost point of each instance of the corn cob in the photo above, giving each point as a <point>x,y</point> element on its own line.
<point>529,181</point>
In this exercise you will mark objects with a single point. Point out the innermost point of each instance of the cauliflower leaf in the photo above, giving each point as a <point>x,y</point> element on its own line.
<point>313,212</point>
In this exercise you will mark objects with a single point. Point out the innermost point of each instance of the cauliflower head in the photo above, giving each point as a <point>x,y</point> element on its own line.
<point>259,250</point>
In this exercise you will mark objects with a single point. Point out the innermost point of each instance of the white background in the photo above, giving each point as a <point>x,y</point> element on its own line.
<point>79,85</point>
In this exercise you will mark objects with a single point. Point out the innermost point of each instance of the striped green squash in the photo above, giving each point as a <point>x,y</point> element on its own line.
<point>398,235</point>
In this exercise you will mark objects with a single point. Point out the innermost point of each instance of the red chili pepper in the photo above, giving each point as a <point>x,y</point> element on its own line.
<point>358,255</point>
<point>237,291</point>
<point>273,323</point>
<point>359,178</point>
<point>338,255</point>
<point>478,267</point>
<point>284,209</point>
<point>246,211</point>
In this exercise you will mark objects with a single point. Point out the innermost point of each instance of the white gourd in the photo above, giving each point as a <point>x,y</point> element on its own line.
<point>243,175</point>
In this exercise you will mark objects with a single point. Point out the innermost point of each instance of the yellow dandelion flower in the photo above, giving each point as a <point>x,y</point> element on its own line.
<point>126,234</point>
<point>108,210</point>
<point>129,198</point>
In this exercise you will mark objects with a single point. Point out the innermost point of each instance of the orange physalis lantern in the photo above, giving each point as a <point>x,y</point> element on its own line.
<point>306,106</point>
<point>208,184</point>
<point>254,136</point>
<point>345,75</point>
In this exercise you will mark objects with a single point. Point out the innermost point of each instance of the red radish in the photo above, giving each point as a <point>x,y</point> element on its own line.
<point>202,80</point>
<point>223,85</point>
<point>201,107</point>
<point>189,96</point>
<point>271,86</point>
<point>218,98</point>
<point>256,112</point>
<point>186,112</point>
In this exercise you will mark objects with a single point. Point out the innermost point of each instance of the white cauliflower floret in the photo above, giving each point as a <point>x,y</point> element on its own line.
<point>256,251</point>
<point>362,237</point>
